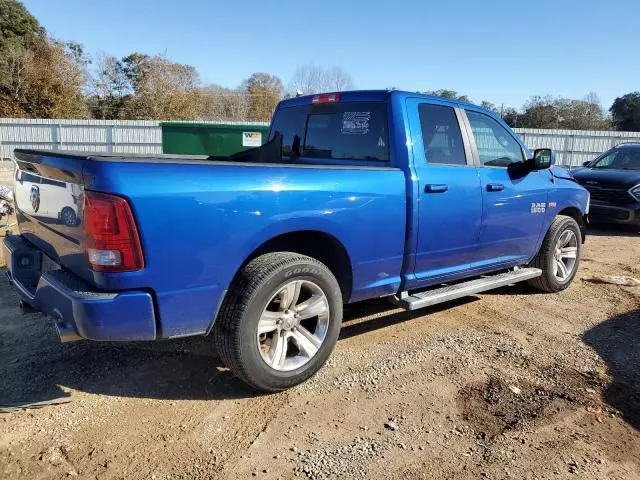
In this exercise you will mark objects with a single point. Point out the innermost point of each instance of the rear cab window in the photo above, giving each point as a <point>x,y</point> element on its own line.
<point>340,132</point>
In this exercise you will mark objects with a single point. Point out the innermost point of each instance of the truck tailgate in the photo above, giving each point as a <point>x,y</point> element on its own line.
<point>49,199</point>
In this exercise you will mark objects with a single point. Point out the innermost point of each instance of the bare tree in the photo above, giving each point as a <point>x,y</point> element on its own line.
<point>13,63</point>
<point>593,98</point>
<point>314,79</point>
<point>220,103</point>
<point>108,88</point>
<point>337,80</point>
<point>307,79</point>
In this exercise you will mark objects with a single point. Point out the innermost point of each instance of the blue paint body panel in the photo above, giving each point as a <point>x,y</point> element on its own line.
<point>200,220</point>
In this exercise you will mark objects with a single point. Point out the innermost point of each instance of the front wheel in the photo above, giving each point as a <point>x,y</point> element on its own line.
<point>279,321</point>
<point>559,255</point>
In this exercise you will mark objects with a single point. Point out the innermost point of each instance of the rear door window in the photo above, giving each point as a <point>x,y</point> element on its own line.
<point>441,135</point>
<point>338,131</point>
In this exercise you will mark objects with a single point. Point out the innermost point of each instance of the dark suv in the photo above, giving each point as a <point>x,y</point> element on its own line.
<point>613,179</point>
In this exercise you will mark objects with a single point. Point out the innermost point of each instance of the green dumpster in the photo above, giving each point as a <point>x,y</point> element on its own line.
<point>213,139</point>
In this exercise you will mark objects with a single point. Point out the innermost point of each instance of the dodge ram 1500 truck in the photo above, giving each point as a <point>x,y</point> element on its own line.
<point>356,195</point>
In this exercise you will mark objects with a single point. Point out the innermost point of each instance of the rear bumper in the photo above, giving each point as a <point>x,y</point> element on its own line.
<point>78,310</point>
<point>609,213</point>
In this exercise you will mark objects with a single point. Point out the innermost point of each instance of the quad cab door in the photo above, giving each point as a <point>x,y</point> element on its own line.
<point>448,205</point>
<point>514,198</point>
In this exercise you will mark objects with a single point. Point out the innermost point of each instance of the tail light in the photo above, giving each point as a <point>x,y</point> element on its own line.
<point>326,98</point>
<point>111,239</point>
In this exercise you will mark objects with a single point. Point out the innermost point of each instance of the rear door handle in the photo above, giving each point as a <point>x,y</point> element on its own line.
<point>436,188</point>
<point>495,187</point>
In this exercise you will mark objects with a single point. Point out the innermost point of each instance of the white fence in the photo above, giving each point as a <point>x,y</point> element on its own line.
<point>574,147</point>
<point>142,136</point>
<point>125,136</point>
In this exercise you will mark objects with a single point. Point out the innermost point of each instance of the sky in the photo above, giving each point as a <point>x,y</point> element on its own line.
<point>495,50</point>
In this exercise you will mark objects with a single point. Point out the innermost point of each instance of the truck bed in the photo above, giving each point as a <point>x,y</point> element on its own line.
<point>199,218</point>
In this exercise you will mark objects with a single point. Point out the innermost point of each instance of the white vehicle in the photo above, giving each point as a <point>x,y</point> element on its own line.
<point>44,197</point>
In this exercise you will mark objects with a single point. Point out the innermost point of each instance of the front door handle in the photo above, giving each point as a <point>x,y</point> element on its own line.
<point>495,187</point>
<point>436,188</point>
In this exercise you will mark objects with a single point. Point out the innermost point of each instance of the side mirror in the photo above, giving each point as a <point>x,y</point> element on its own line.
<point>586,164</point>
<point>542,158</point>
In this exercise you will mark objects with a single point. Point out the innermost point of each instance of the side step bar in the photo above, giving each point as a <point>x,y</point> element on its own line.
<point>443,294</point>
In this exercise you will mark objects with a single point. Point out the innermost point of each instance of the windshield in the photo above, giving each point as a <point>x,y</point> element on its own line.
<point>623,159</point>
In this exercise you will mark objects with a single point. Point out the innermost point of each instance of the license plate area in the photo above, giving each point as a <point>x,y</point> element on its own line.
<point>26,268</point>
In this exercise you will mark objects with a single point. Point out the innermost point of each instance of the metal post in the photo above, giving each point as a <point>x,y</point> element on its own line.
<point>573,144</point>
<point>110,138</point>
<point>55,135</point>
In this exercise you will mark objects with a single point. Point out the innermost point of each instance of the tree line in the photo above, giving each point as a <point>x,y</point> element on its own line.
<point>43,77</point>
<point>564,113</point>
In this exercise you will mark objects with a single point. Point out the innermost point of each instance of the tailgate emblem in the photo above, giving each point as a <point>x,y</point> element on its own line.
<point>35,197</point>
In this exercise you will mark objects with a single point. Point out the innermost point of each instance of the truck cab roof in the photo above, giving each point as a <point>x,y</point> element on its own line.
<point>379,96</point>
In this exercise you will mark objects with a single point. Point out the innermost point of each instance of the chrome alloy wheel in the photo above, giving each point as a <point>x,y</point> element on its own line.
<point>565,255</point>
<point>293,325</point>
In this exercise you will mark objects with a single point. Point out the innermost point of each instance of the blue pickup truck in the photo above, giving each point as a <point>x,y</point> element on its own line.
<point>356,195</point>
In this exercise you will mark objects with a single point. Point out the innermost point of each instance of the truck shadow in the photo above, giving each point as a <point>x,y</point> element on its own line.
<point>370,315</point>
<point>35,367</point>
<point>177,370</point>
<point>617,342</point>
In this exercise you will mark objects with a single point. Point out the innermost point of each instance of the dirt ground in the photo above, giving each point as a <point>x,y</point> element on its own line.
<point>510,384</point>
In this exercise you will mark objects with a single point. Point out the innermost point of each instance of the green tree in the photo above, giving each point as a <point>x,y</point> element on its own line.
<point>18,32</point>
<point>134,67</point>
<point>511,117</point>
<point>450,94</point>
<point>539,112</point>
<point>265,91</point>
<point>161,89</point>
<point>39,76</point>
<point>581,114</point>
<point>547,112</point>
<point>17,25</point>
<point>625,112</point>
<point>489,106</point>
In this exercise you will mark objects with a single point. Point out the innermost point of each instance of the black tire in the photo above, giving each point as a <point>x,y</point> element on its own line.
<point>68,217</point>
<point>545,258</point>
<point>236,326</point>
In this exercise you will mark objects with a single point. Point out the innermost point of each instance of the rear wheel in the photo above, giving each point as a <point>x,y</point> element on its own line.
<point>559,255</point>
<point>279,321</point>
<point>68,217</point>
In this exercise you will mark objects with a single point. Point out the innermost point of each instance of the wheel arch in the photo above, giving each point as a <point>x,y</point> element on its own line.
<point>575,213</point>
<point>316,244</point>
